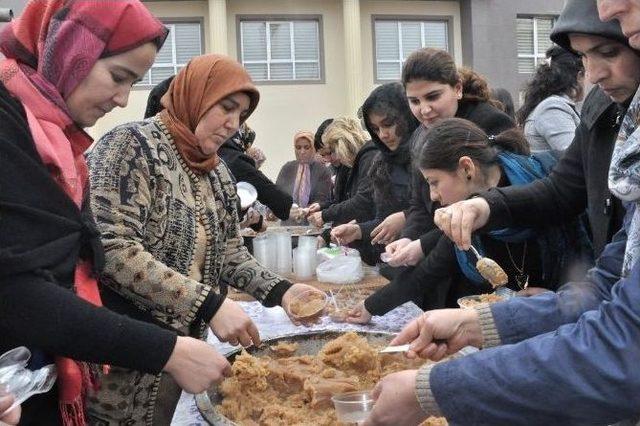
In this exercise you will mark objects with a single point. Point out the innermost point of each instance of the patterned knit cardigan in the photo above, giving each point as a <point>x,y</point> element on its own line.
<point>147,205</point>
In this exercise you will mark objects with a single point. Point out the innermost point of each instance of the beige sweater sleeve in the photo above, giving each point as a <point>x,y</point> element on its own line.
<point>423,391</point>
<point>121,199</point>
<point>488,326</point>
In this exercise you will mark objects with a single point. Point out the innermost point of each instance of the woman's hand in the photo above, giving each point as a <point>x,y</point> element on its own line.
<point>250,218</point>
<point>13,416</point>
<point>359,315</point>
<point>347,233</point>
<point>436,334</point>
<point>409,255</point>
<point>395,401</point>
<point>460,219</point>
<point>297,213</point>
<point>231,324</point>
<point>195,365</point>
<point>389,229</point>
<point>316,219</point>
<point>393,247</point>
<point>315,207</point>
<point>295,290</point>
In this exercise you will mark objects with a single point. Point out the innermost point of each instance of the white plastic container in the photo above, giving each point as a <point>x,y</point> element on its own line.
<point>264,250</point>
<point>283,252</point>
<point>304,263</point>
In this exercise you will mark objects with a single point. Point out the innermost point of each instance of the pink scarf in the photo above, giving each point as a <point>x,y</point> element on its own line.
<point>50,49</point>
<point>302,186</point>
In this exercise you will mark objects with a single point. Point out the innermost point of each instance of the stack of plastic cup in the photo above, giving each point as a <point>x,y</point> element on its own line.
<point>283,252</point>
<point>304,263</point>
<point>264,250</point>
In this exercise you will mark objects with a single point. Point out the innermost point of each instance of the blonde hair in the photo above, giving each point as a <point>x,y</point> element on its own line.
<point>345,137</point>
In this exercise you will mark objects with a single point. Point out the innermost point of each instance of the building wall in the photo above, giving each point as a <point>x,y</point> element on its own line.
<point>287,108</point>
<point>489,38</point>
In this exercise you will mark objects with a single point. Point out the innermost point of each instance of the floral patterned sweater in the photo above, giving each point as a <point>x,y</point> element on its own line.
<point>159,221</point>
<point>172,246</point>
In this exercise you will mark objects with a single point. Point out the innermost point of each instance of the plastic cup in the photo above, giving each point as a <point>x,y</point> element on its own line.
<point>304,263</point>
<point>353,407</point>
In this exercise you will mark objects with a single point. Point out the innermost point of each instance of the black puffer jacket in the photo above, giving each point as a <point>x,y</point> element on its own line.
<point>419,221</point>
<point>578,181</point>
<point>351,206</point>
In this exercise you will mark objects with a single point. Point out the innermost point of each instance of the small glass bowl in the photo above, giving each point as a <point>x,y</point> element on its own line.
<point>308,305</point>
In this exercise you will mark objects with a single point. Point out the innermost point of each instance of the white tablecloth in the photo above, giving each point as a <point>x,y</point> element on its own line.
<point>273,322</point>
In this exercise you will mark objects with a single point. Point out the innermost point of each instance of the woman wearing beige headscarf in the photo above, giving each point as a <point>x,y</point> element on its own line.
<point>307,180</point>
<point>166,209</point>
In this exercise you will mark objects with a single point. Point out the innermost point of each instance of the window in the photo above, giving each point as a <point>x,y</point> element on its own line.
<point>396,39</point>
<point>183,43</point>
<point>533,41</point>
<point>281,49</point>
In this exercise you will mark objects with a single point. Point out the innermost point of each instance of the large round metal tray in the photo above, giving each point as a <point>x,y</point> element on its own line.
<point>308,344</point>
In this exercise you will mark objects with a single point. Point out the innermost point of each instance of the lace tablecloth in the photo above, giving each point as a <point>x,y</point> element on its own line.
<point>273,322</point>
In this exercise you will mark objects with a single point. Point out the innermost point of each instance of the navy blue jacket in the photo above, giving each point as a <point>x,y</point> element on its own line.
<point>568,358</point>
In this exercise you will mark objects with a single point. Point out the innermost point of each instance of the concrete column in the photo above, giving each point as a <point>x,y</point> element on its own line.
<point>218,26</point>
<point>352,55</point>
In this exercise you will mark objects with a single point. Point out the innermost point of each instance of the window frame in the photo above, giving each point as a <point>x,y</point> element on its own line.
<point>448,19</point>
<point>177,20</point>
<point>284,18</point>
<point>537,57</point>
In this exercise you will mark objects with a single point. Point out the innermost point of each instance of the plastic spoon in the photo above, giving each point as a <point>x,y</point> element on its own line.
<point>490,270</point>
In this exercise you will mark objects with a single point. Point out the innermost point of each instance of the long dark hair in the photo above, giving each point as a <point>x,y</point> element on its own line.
<point>506,101</point>
<point>390,101</point>
<point>558,77</point>
<point>430,64</point>
<point>449,140</point>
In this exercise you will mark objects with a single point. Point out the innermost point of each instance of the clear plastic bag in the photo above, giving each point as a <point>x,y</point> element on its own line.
<point>340,270</point>
<point>21,382</point>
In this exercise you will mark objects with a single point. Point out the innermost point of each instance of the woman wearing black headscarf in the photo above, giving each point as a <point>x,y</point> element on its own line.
<point>390,123</point>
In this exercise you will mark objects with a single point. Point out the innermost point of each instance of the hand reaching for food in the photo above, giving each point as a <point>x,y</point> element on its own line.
<point>389,230</point>
<point>436,334</point>
<point>359,314</point>
<point>316,219</point>
<point>409,255</point>
<point>231,324</point>
<point>346,233</point>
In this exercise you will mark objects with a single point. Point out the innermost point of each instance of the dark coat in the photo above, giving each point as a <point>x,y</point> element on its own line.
<point>578,181</point>
<point>320,180</point>
<point>340,175</point>
<point>42,236</point>
<point>419,221</point>
<point>349,206</point>
<point>244,169</point>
